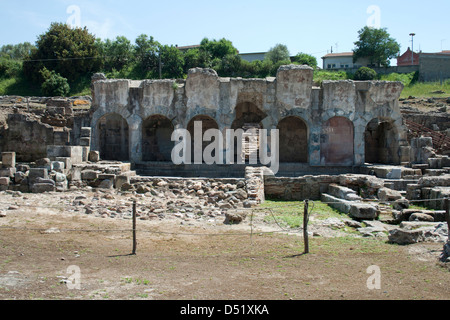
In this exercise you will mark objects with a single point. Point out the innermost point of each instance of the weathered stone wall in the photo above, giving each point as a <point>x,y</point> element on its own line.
<point>434,67</point>
<point>266,102</point>
<point>28,138</point>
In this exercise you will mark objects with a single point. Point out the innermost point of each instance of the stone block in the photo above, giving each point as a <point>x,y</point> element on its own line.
<point>363,211</point>
<point>60,177</point>
<point>395,173</point>
<point>57,166</point>
<point>106,176</point>
<point>75,153</point>
<point>106,184</point>
<point>89,175</point>
<point>19,176</point>
<point>9,159</point>
<point>43,163</point>
<point>435,163</point>
<point>341,205</point>
<point>386,195</point>
<point>4,181</point>
<point>85,141</point>
<point>74,174</point>
<point>7,172</point>
<point>67,162</point>
<point>94,156</point>
<point>85,132</point>
<point>85,153</point>
<point>35,173</point>
<point>121,180</point>
<point>342,192</point>
<point>42,187</point>
<point>403,237</point>
<point>45,181</point>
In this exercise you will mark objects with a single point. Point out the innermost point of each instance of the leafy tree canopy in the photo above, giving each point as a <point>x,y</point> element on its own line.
<point>376,45</point>
<point>70,52</point>
<point>218,49</point>
<point>18,51</point>
<point>278,53</point>
<point>303,58</point>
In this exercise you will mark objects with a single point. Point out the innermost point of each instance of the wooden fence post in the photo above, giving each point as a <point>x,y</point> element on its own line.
<point>134,228</point>
<point>305,226</point>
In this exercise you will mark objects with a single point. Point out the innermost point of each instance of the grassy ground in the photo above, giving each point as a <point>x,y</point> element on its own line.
<point>427,90</point>
<point>290,213</point>
<point>22,87</point>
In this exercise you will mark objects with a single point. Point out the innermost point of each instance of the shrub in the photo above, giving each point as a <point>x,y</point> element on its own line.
<point>365,73</point>
<point>54,84</point>
<point>9,68</point>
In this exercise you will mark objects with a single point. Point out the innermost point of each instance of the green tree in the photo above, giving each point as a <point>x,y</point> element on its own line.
<point>196,58</point>
<point>146,51</point>
<point>231,66</point>
<point>54,84</point>
<point>375,45</point>
<point>71,52</point>
<point>172,60</point>
<point>9,68</point>
<point>116,53</point>
<point>217,49</point>
<point>17,51</point>
<point>278,53</point>
<point>303,58</point>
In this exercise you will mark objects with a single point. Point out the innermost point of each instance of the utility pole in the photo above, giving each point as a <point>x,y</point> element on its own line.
<point>412,46</point>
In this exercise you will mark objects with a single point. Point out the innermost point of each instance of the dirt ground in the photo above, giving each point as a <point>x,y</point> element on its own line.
<point>44,255</point>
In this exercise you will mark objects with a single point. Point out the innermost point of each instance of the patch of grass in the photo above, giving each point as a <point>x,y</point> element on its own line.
<point>405,78</point>
<point>290,213</point>
<point>320,76</point>
<point>18,86</point>
<point>427,90</point>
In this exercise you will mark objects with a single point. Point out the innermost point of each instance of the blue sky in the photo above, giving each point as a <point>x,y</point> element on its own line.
<point>252,25</point>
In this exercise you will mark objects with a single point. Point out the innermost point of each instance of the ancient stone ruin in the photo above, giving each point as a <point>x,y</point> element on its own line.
<point>343,142</point>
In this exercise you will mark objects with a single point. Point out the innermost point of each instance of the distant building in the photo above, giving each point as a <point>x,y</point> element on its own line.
<point>434,66</point>
<point>186,48</point>
<point>250,57</point>
<point>409,58</point>
<point>343,60</point>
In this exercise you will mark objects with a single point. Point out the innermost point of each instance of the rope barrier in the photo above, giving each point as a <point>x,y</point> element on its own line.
<point>262,210</point>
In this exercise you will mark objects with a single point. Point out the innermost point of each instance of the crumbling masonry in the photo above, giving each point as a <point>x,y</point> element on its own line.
<point>340,124</point>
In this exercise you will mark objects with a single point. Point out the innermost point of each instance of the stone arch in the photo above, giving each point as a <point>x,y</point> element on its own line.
<point>249,118</point>
<point>207,123</point>
<point>337,142</point>
<point>113,137</point>
<point>293,140</point>
<point>157,141</point>
<point>381,140</point>
<point>247,113</point>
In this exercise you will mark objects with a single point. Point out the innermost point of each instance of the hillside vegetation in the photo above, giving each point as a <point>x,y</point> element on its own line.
<point>63,60</point>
